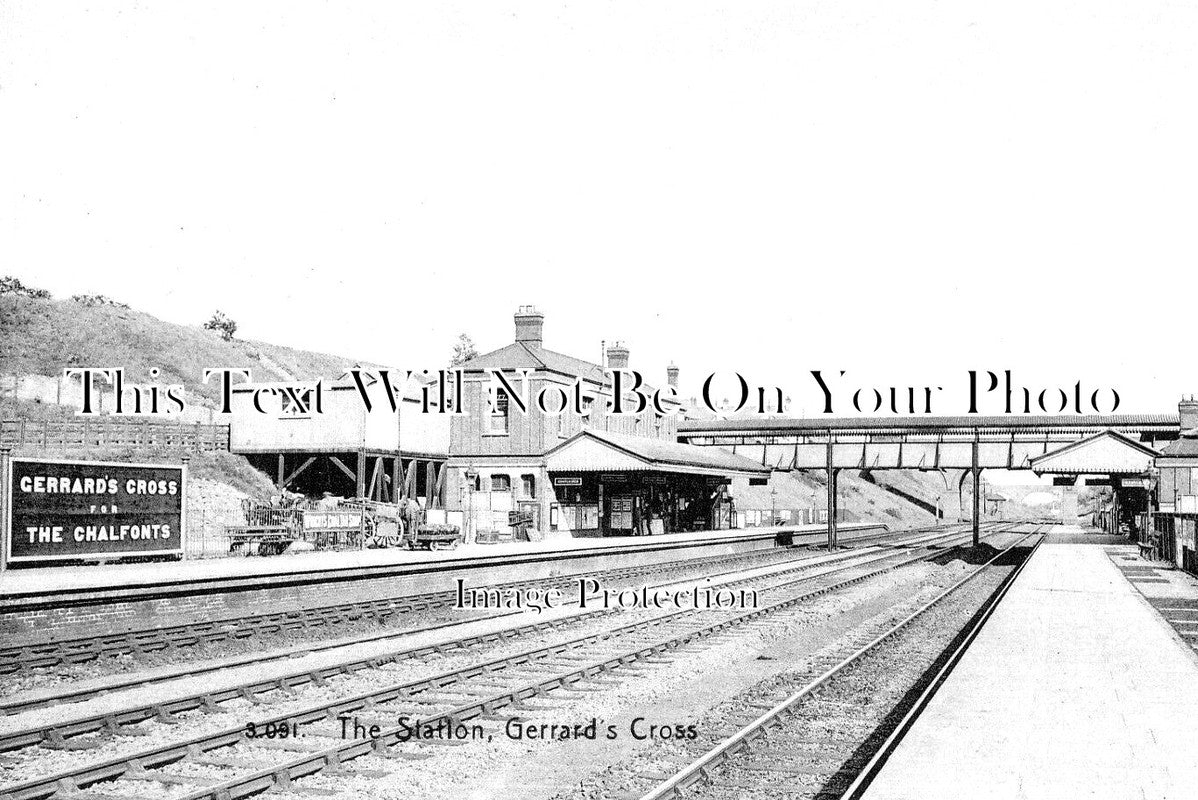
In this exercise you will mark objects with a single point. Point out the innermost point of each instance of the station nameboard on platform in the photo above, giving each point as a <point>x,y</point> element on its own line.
<point>91,509</point>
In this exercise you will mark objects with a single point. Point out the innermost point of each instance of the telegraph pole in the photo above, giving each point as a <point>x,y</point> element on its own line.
<point>5,501</point>
<point>977,475</point>
<point>831,497</point>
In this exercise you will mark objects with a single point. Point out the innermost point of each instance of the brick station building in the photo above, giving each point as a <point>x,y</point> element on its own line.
<point>570,474</point>
<point>1175,524</point>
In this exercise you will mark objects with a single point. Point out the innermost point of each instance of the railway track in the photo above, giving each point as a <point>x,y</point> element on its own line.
<point>31,701</point>
<point>311,621</point>
<point>770,747</point>
<point>210,699</point>
<point>478,691</point>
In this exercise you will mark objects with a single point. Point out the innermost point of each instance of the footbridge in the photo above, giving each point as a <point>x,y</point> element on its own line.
<point>970,443</point>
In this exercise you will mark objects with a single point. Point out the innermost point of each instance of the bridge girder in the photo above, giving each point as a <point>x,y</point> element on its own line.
<point>892,451</point>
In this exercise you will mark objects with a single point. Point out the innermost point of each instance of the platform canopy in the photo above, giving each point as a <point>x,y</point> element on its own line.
<point>602,451</point>
<point>1105,453</point>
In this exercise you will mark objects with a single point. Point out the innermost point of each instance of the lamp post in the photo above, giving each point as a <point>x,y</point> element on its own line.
<point>1150,485</point>
<point>5,500</point>
<point>468,523</point>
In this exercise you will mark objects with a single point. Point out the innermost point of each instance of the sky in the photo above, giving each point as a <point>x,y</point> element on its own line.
<point>902,191</point>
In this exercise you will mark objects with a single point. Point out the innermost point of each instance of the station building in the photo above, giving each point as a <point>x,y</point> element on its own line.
<point>1175,524</point>
<point>344,449</point>
<point>593,473</point>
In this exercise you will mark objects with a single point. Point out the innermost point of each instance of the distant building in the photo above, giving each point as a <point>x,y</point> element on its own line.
<point>592,473</point>
<point>783,499</point>
<point>1176,522</point>
<point>996,503</point>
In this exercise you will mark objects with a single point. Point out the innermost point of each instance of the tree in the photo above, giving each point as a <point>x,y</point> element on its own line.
<point>11,285</point>
<point>222,325</point>
<point>463,351</point>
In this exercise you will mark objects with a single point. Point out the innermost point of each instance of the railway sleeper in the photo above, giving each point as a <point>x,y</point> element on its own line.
<point>283,782</point>
<point>67,789</point>
<point>252,697</point>
<point>164,717</point>
<point>209,705</point>
<point>54,740</point>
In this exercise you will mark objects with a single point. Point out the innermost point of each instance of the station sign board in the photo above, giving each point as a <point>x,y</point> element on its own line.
<point>56,510</point>
<point>517,518</point>
<point>328,520</point>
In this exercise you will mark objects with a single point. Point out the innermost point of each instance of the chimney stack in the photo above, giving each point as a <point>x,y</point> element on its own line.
<point>1188,411</point>
<point>617,356</point>
<point>529,322</point>
<point>672,375</point>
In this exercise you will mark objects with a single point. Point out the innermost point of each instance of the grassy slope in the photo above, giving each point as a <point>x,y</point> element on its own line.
<point>866,501</point>
<point>42,337</point>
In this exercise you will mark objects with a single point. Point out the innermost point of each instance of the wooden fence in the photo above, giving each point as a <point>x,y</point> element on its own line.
<point>105,431</point>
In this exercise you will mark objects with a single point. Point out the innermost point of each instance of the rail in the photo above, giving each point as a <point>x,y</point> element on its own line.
<point>568,662</point>
<point>700,770</point>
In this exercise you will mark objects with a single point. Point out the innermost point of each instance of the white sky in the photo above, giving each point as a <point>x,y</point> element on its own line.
<point>902,190</point>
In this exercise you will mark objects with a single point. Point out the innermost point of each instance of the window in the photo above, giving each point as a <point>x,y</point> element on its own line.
<point>499,417</point>
<point>528,485</point>
<point>290,408</point>
<point>501,483</point>
<point>587,403</point>
<point>658,421</point>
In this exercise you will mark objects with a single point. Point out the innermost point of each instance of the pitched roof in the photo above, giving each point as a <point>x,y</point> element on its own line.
<point>641,452</point>
<point>1103,452</point>
<point>906,423</point>
<point>1185,447</point>
<point>522,355</point>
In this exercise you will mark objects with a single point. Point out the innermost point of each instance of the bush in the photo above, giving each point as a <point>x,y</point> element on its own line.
<point>11,285</point>
<point>222,325</point>
<point>463,351</point>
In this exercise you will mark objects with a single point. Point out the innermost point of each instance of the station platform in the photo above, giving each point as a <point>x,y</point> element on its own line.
<point>53,603</point>
<point>45,581</point>
<point>1075,688</point>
